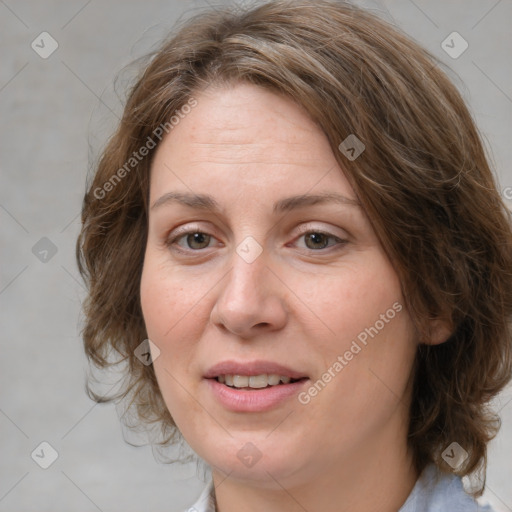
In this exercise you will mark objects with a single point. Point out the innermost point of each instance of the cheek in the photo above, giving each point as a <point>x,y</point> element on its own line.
<point>368,353</point>
<point>350,300</point>
<point>168,300</point>
<point>170,318</point>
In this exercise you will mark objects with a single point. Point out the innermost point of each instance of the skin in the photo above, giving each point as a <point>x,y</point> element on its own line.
<point>297,304</point>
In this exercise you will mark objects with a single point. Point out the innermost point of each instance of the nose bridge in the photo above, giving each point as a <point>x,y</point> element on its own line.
<point>246,282</point>
<point>249,260</point>
<point>250,298</point>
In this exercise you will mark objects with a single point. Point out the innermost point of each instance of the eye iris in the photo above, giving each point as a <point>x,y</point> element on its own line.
<point>317,238</point>
<point>199,238</point>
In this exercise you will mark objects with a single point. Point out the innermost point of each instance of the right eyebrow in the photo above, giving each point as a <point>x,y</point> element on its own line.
<point>197,201</point>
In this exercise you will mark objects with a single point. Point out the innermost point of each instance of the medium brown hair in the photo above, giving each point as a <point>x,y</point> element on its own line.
<point>423,180</point>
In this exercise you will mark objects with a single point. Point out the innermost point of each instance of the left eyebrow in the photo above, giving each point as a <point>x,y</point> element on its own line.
<point>208,203</point>
<point>294,202</point>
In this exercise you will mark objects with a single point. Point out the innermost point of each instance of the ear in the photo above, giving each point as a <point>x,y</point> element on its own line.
<point>440,331</point>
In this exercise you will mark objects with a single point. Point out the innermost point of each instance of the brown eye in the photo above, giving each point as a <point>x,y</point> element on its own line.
<point>194,241</point>
<point>201,239</point>
<point>318,240</point>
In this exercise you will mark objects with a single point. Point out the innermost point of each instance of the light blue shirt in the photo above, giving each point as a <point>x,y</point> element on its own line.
<point>434,491</point>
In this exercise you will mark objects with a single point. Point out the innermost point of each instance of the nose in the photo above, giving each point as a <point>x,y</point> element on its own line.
<point>251,300</point>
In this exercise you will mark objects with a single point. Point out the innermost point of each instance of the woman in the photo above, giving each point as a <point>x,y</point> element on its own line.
<point>296,243</point>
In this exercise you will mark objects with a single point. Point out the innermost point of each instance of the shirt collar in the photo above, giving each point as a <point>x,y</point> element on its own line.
<point>206,501</point>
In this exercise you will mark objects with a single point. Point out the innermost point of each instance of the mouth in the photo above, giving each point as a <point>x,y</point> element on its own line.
<point>254,386</point>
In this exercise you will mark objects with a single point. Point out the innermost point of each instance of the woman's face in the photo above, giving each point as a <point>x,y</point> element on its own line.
<point>276,275</point>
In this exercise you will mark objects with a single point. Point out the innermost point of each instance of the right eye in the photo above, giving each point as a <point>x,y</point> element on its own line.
<point>195,240</point>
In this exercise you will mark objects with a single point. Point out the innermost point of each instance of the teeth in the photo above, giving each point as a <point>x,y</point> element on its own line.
<point>253,381</point>
<point>258,381</point>
<point>240,381</point>
<point>273,379</point>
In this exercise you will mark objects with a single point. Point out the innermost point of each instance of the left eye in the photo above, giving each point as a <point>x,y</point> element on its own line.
<point>315,240</point>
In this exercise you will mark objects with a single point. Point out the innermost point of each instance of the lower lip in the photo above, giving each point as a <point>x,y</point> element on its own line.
<point>257,400</point>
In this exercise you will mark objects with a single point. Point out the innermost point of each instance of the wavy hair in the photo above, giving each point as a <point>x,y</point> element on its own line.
<point>424,181</point>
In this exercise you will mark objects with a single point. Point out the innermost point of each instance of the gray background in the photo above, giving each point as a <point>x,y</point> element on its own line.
<point>52,110</point>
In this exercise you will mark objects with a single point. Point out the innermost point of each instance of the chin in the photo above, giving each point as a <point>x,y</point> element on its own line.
<point>253,458</point>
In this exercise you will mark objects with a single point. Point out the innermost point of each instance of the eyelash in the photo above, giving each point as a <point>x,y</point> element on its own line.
<point>172,242</point>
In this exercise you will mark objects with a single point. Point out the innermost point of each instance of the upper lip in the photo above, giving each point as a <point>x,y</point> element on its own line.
<point>256,367</point>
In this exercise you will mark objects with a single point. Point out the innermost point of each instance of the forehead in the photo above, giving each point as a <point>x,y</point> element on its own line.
<point>244,139</point>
